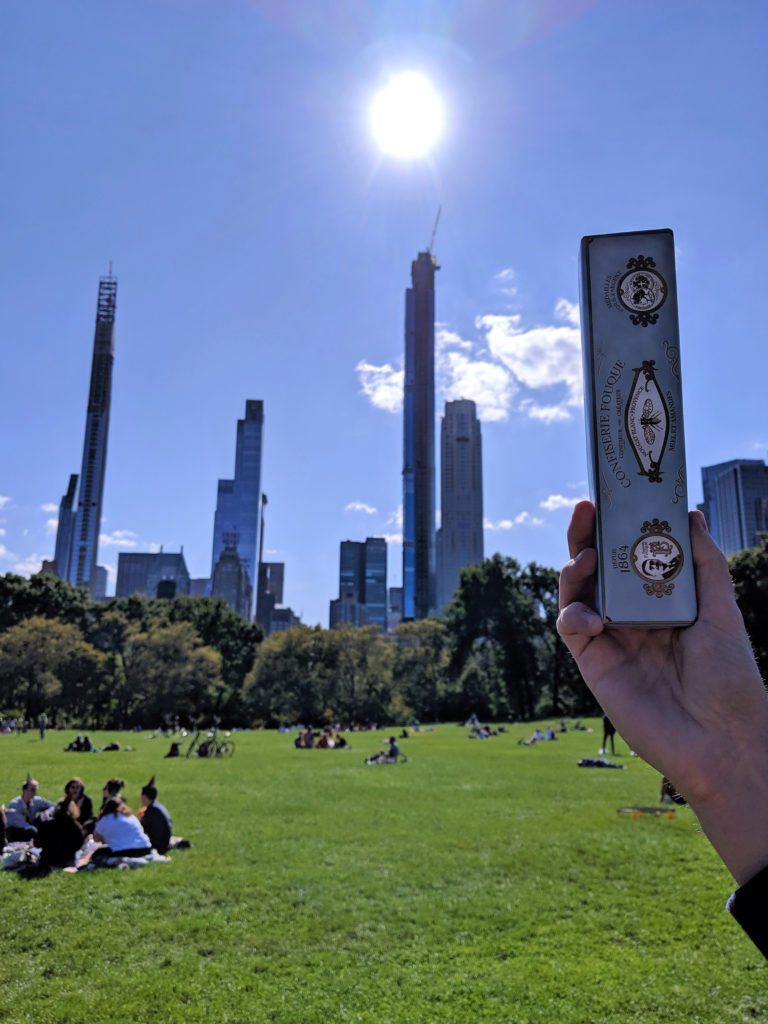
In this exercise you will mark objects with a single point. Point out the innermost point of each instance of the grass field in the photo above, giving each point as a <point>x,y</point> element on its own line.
<point>481,881</point>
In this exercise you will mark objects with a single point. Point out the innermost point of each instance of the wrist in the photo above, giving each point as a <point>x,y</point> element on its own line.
<point>735,817</point>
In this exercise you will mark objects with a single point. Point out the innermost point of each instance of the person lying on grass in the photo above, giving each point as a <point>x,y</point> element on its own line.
<point>690,701</point>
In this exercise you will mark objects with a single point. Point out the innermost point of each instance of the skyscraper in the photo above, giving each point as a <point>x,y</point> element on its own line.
<point>736,502</point>
<point>77,537</point>
<point>460,537</point>
<point>238,509</point>
<point>419,441</point>
<point>140,573</point>
<point>362,596</point>
<point>270,592</point>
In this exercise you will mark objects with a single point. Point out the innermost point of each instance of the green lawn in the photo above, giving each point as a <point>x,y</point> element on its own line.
<point>481,881</point>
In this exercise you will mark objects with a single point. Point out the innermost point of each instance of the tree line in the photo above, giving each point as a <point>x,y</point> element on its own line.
<point>131,661</point>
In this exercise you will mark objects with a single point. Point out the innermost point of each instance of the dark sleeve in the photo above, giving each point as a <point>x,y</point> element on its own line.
<point>749,905</point>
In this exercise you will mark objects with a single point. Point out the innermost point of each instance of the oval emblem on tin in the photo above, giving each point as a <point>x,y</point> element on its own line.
<point>642,290</point>
<point>657,558</point>
<point>646,419</point>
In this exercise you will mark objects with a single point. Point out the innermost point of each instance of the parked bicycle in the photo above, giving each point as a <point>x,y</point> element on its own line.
<point>210,746</point>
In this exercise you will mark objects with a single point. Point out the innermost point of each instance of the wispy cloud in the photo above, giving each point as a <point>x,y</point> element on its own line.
<point>29,565</point>
<point>360,506</point>
<point>521,519</point>
<point>396,518</point>
<point>51,525</point>
<point>382,384</point>
<point>392,538</point>
<point>118,539</point>
<point>49,507</point>
<point>505,278</point>
<point>5,553</point>
<point>4,500</point>
<point>557,501</point>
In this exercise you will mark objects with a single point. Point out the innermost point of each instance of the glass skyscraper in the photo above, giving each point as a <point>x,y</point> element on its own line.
<point>460,537</point>
<point>419,441</point>
<point>362,596</point>
<point>238,508</point>
<point>736,502</point>
<point>77,538</point>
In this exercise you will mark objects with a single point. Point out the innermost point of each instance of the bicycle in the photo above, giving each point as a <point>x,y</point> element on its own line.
<point>211,746</point>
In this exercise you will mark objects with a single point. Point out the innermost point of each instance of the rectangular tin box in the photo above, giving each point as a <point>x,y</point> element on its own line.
<point>635,442</point>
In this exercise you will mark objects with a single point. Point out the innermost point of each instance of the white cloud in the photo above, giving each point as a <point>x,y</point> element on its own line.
<point>155,548</point>
<point>556,501</point>
<point>51,525</point>
<point>505,278</point>
<point>502,370</point>
<point>49,507</point>
<point>396,518</point>
<point>540,357</point>
<point>521,519</point>
<point>29,565</point>
<point>4,552</point>
<point>392,538</point>
<point>3,531</point>
<point>3,500</point>
<point>118,538</point>
<point>382,384</point>
<point>487,384</point>
<point>359,506</point>
<point>111,572</point>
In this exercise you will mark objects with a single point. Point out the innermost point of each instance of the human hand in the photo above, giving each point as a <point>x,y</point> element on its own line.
<point>690,701</point>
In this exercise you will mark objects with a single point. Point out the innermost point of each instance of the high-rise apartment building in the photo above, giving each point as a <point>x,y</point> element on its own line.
<point>148,573</point>
<point>460,537</point>
<point>736,502</point>
<point>362,596</point>
<point>419,441</point>
<point>270,595</point>
<point>77,537</point>
<point>238,510</point>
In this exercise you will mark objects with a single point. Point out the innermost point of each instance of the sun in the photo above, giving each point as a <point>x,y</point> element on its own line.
<point>407,116</point>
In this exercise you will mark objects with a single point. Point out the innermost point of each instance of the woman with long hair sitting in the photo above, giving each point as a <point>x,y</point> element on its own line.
<point>121,830</point>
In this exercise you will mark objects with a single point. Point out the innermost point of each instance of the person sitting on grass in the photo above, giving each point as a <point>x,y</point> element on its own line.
<point>74,791</point>
<point>26,812</point>
<point>155,819</point>
<point>394,750</point>
<point>111,789</point>
<point>62,836</point>
<point>121,832</point>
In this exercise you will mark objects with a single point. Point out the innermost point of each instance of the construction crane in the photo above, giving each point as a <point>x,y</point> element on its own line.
<point>434,229</point>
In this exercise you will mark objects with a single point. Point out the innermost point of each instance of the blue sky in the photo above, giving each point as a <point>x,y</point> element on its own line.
<point>219,153</point>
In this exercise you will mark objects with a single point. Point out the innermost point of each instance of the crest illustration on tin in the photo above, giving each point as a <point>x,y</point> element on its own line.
<point>646,418</point>
<point>657,558</point>
<point>642,290</point>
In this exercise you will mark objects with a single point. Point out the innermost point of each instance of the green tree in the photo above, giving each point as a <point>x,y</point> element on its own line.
<point>494,604</point>
<point>168,670</point>
<point>46,665</point>
<point>420,667</point>
<point>43,595</point>
<point>749,571</point>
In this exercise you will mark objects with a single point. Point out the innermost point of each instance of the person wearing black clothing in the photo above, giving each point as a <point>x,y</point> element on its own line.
<point>61,837</point>
<point>155,819</point>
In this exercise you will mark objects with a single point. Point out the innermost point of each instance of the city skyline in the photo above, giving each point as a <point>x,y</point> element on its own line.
<point>221,155</point>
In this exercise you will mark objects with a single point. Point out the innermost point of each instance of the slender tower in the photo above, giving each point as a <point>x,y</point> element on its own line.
<point>460,537</point>
<point>419,441</point>
<point>236,524</point>
<point>80,549</point>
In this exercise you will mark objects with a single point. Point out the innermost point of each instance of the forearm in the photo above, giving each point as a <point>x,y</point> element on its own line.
<point>735,819</point>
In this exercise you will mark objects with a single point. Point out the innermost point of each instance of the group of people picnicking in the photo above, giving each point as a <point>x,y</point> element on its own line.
<point>69,833</point>
<point>326,739</point>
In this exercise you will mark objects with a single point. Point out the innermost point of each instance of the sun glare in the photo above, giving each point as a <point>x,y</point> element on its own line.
<point>407,116</point>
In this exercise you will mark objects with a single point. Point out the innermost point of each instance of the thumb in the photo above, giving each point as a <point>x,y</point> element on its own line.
<point>714,590</point>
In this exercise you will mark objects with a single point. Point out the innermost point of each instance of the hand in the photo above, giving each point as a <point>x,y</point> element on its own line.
<point>690,701</point>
